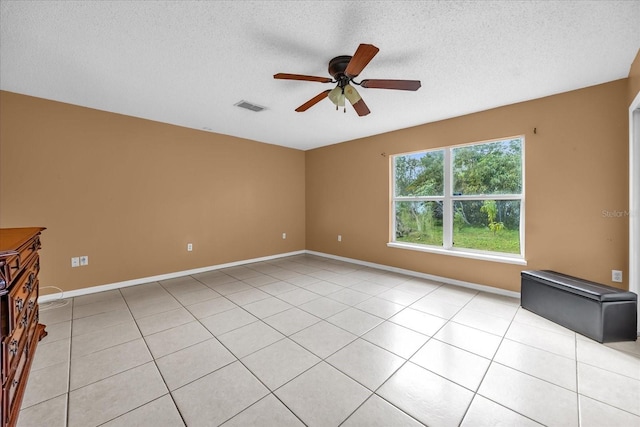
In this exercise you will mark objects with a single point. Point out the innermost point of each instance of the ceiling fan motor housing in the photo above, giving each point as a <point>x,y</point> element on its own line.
<point>337,66</point>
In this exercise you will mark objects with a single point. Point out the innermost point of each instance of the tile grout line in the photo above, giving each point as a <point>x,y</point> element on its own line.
<point>109,376</point>
<point>504,337</point>
<point>270,392</point>
<point>578,394</point>
<point>237,359</point>
<point>432,337</point>
<point>154,363</point>
<point>406,361</point>
<point>203,325</point>
<point>578,409</point>
<point>448,321</point>
<point>68,394</point>
<point>324,359</point>
<point>360,336</point>
<point>309,368</point>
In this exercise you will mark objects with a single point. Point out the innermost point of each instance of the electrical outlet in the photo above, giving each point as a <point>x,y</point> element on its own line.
<point>616,276</point>
<point>75,261</point>
<point>284,236</point>
<point>84,260</point>
<point>189,247</point>
<point>339,238</point>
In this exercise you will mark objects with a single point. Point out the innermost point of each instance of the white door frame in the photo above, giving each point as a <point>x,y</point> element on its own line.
<point>634,198</point>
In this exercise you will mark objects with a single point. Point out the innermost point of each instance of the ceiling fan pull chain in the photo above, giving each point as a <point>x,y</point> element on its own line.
<point>344,104</point>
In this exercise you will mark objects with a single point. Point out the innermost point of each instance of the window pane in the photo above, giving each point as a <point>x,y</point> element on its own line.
<point>493,168</point>
<point>419,174</point>
<point>419,222</point>
<point>487,225</point>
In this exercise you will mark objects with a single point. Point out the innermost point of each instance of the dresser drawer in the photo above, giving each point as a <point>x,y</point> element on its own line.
<point>21,294</point>
<point>32,305</point>
<point>15,259</point>
<point>27,251</point>
<point>33,331</point>
<point>13,345</point>
<point>11,387</point>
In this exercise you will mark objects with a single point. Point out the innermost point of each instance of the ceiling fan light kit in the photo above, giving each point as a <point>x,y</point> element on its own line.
<point>343,69</point>
<point>336,95</point>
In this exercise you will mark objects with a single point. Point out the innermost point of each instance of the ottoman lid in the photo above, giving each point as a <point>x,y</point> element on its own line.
<point>585,288</point>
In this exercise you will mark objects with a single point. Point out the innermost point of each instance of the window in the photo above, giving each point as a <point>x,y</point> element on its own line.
<point>465,200</point>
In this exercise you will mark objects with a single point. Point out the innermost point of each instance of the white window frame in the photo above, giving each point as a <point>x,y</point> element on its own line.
<point>448,200</point>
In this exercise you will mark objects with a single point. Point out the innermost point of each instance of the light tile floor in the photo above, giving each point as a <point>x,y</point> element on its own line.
<point>312,341</point>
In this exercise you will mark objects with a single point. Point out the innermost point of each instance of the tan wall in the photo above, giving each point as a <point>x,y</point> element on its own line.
<point>576,167</point>
<point>634,78</point>
<point>131,193</point>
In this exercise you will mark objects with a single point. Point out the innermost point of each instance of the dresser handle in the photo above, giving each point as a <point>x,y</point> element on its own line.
<point>31,305</point>
<point>24,321</point>
<point>29,285</point>
<point>15,383</point>
<point>19,304</point>
<point>13,347</point>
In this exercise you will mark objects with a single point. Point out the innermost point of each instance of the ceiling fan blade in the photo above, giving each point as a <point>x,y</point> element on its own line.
<point>356,100</point>
<point>286,76</point>
<point>360,59</point>
<point>391,84</point>
<point>361,108</point>
<point>313,101</point>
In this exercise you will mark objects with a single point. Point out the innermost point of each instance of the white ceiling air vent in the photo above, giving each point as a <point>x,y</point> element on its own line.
<point>249,106</point>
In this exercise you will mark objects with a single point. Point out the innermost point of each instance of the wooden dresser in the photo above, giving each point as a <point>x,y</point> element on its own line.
<point>19,266</point>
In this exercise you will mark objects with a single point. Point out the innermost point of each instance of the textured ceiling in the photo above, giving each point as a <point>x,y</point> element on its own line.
<point>188,63</point>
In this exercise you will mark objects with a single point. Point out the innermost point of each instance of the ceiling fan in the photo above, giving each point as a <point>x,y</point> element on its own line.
<point>343,69</point>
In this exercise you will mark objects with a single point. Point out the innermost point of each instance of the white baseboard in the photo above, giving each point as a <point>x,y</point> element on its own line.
<point>140,281</point>
<point>431,277</point>
<point>133,282</point>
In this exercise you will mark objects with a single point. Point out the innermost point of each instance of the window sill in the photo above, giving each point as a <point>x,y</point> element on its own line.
<point>507,259</point>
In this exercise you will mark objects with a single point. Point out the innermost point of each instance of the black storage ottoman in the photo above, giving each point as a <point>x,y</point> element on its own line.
<point>600,312</point>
